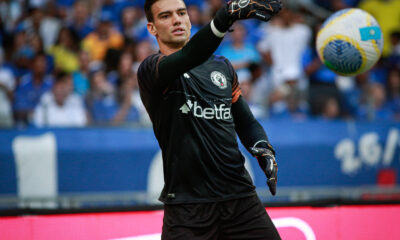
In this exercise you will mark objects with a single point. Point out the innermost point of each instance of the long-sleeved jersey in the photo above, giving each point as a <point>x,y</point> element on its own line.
<point>193,124</point>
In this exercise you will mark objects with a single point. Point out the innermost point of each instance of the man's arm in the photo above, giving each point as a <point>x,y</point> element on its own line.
<point>254,138</point>
<point>207,39</point>
<point>196,51</point>
<point>249,130</point>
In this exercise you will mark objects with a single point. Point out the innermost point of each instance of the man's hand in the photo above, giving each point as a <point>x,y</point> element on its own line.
<point>266,160</point>
<point>260,9</point>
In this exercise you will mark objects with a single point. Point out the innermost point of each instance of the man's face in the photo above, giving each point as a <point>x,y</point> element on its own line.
<point>171,25</point>
<point>61,90</point>
<point>239,34</point>
<point>39,65</point>
<point>80,11</point>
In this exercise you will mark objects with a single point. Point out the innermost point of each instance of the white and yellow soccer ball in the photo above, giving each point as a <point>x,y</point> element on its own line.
<point>350,42</point>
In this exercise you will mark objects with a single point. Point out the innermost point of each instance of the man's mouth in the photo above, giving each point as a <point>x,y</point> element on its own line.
<point>178,31</point>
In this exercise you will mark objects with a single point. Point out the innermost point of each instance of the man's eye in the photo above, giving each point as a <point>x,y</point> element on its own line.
<point>182,13</point>
<point>164,16</point>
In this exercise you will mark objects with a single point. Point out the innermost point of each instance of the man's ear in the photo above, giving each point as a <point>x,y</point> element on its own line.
<point>152,28</point>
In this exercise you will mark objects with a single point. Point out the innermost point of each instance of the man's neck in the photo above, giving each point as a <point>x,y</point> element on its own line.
<point>237,45</point>
<point>37,78</point>
<point>168,49</point>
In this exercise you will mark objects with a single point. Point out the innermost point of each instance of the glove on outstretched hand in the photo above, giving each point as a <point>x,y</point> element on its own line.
<point>266,160</point>
<point>260,9</point>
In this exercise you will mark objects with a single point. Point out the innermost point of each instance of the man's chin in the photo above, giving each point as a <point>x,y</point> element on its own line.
<point>179,42</point>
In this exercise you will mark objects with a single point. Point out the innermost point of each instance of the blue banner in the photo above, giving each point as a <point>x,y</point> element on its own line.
<point>311,153</point>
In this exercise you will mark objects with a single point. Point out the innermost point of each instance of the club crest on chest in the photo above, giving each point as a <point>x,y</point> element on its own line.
<point>218,79</point>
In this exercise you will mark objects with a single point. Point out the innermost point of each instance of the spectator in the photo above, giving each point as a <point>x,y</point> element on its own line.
<point>112,10</point>
<point>22,54</point>
<point>323,92</point>
<point>65,51</point>
<point>60,107</point>
<point>36,44</point>
<point>105,37</point>
<point>395,40</point>
<point>283,47</point>
<point>31,88</point>
<point>316,71</point>
<point>387,13</point>
<point>195,18</point>
<point>60,8</point>
<point>28,28</point>
<point>393,91</point>
<point>128,19</point>
<point>133,24</point>
<point>351,3</point>
<point>352,93</point>
<point>240,53</point>
<point>374,105</point>
<point>336,5</point>
<point>287,102</point>
<point>80,77</point>
<point>7,85</point>
<point>101,100</point>
<point>330,108</point>
<point>210,8</point>
<point>38,3</point>
<point>38,22</point>
<point>10,13</point>
<point>394,58</point>
<point>260,87</point>
<point>126,83</point>
<point>256,90</point>
<point>81,23</point>
<point>142,51</point>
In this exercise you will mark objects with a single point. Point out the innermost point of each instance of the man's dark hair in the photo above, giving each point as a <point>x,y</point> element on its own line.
<point>39,55</point>
<point>61,76</point>
<point>147,9</point>
<point>395,34</point>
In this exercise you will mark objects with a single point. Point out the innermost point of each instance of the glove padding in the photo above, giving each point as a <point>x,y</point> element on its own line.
<point>260,9</point>
<point>266,160</point>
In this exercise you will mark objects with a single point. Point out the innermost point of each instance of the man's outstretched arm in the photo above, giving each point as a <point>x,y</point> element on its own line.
<point>254,138</point>
<point>204,43</point>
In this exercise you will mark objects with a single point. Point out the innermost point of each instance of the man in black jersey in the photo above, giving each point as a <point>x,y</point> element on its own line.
<point>195,104</point>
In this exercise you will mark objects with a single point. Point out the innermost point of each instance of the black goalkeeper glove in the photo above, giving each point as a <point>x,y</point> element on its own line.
<point>266,160</point>
<point>260,9</point>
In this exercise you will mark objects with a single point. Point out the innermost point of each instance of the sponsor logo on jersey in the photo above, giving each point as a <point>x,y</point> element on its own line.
<point>218,79</point>
<point>220,111</point>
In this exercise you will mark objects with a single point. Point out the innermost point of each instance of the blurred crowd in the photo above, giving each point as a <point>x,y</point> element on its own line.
<point>73,63</point>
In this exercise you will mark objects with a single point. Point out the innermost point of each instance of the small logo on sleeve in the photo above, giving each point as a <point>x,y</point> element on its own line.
<point>243,3</point>
<point>218,79</point>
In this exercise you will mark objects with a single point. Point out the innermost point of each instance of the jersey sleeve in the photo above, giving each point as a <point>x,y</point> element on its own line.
<point>148,78</point>
<point>236,92</point>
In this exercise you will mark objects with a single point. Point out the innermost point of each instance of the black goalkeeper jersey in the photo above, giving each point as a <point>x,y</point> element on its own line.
<point>193,124</point>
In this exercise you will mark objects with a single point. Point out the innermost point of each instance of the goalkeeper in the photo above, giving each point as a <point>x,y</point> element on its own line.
<point>194,102</point>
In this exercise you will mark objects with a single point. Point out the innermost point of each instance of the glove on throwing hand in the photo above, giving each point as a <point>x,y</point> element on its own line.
<point>266,160</point>
<point>260,9</point>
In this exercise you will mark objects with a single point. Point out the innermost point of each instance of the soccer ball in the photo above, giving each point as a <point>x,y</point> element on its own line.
<point>350,42</point>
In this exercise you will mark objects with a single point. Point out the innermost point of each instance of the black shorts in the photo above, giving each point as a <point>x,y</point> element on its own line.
<point>243,218</point>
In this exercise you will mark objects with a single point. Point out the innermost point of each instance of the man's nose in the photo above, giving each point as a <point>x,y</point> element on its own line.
<point>177,19</point>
